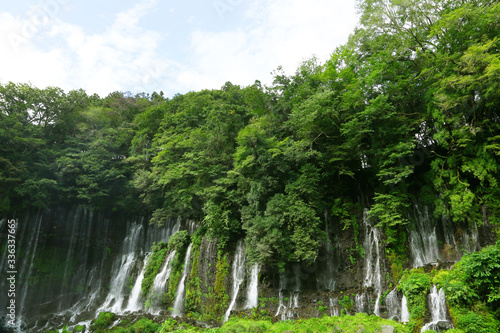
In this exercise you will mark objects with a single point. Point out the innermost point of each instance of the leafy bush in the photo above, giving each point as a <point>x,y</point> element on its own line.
<point>415,285</point>
<point>104,320</point>
<point>178,241</point>
<point>155,260</point>
<point>482,273</point>
<point>79,328</point>
<point>472,290</point>
<point>144,326</point>
<point>346,302</point>
<point>477,323</point>
<point>457,292</point>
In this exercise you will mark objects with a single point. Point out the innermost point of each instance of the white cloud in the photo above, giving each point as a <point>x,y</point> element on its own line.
<point>22,62</point>
<point>44,50</point>
<point>123,57</point>
<point>278,32</point>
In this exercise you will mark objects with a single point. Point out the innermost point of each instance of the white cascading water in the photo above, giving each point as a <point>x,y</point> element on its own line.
<point>334,307</point>
<point>77,287</point>
<point>253,288</point>
<point>121,271</point>
<point>27,267</point>
<point>160,283</point>
<point>361,303</point>
<point>238,276</point>
<point>460,240</point>
<point>328,279</point>
<point>423,238</point>
<point>156,234</point>
<point>373,277</point>
<point>405,314</point>
<point>288,308</point>
<point>437,302</point>
<point>3,258</point>
<point>134,301</point>
<point>179,298</point>
<point>393,305</point>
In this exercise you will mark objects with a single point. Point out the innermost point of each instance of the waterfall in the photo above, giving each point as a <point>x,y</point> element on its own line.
<point>437,302</point>
<point>121,270</point>
<point>134,303</point>
<point>288,307</point>
<point>157,234</point>
<point>373,277</point>
<point>27,266</point>
<point>3,257</point>
<point>361,303</point>
<point>179,298</point>
<point>405,314</point>
<point>74,262</point>
<point>423,238</point>
<point>460,240</point>
<point>334,307</point>
<point>253,290</point>
<point>137,240</point>
<point>327,278</point>
<point>238,276</point>
<point>393,305</point>
<point>160,283</point>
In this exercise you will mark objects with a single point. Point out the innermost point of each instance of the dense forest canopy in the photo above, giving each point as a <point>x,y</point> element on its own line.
<point>407,110</point>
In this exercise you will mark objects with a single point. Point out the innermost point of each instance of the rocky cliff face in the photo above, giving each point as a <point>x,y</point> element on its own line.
<point>72,264</point>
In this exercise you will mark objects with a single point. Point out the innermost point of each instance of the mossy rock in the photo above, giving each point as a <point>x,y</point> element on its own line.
<point>79,329</point>
<point>104,320</point>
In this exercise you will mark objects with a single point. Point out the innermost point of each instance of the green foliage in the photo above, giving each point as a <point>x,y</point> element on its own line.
<point>220,223</point>
<point>346,302</point>
<point>179,241</point>
<point>482,273</point>
<point>415,285</point>
<point>104,320</point>
<point>218,297</point>
<point>288,230</point>
<point>471,290</point>
<point>474,322</point>
<point>348,324</point>
<point>79,328</point>
<point>396,250</point>
<point>144,326</point>
<point>155,260</point>
<point>193,288</point>
<point>321,309</point>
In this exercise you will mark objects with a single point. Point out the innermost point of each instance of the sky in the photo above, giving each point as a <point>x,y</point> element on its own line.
<point>103,46</point>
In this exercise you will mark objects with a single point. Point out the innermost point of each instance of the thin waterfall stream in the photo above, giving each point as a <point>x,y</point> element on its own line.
<point>238,270</point>
<point>179,298</point>
<point>253,288</point>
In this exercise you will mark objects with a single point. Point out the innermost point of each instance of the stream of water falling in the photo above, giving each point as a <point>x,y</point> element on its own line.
<point>334,307</point>
<point>27,268</point>
<point>121,270</point>
<point>393,305</point>
<point>327,280</point>
<point>253,288</point>
<point>405,314</point>
<point>134,301</point>
<point>160,284</point>
<point>238,273</point>
<point>179,298</point>
<point>373,276</point>
<point>437,302</point>
<point>423,238</point>
<point>288,307</point>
